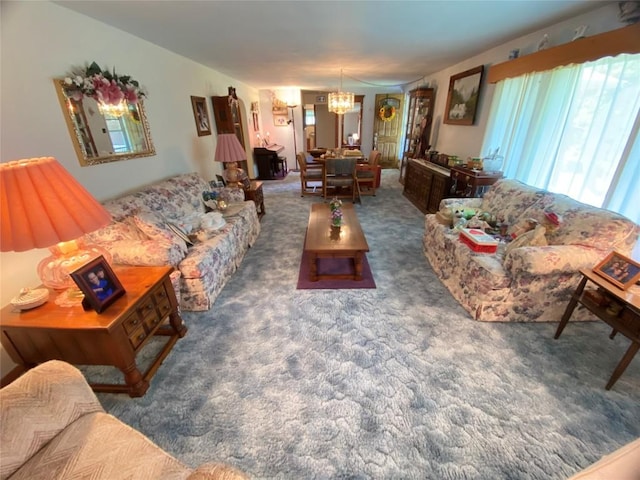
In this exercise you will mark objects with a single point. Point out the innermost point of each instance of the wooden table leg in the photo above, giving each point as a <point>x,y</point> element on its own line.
<point>313,267</point>
<point>357,264</point>
<point>624,363</point>
<point>572,305</point>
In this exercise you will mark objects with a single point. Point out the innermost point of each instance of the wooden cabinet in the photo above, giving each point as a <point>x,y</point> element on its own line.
<point>426,185</point>
<point>229,120</point>
<point>471,183</point>
<point>418,128</point>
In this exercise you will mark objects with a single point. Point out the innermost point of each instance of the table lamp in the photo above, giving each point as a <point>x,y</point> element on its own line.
<point>229,151</point>
<point>44,206</point>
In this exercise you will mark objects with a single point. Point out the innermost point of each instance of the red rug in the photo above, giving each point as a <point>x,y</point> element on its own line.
<point>334,266</point>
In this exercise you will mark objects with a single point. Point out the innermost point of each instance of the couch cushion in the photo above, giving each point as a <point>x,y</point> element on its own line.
<point>98,446</point>
<point>38,406</point>
<point>582,224</point>
<point>508,199</point>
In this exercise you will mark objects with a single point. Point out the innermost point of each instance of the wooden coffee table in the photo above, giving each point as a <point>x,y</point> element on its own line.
<point>324,241</point>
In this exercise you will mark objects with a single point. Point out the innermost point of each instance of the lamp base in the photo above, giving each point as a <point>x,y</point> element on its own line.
<point>66,258</point>
<point>233,175</point>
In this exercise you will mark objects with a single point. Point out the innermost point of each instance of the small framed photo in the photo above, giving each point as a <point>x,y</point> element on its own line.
<point>619,270</point>
<point>246,182</point>
<point>99,284</point>
<point>463,96</point>
<point>201,115</point>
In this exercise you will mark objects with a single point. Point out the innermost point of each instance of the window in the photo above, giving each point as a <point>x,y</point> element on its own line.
<point>573,130</point>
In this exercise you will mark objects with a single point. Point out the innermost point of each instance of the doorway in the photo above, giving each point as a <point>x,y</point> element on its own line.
<point>387,128</point>
<point>321,126</point>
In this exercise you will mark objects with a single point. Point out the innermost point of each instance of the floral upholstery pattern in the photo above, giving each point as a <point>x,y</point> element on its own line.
<point>138,235</point>
<point>532,283</point>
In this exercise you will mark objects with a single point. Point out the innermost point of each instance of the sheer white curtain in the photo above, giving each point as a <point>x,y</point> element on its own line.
<point>573,130</point>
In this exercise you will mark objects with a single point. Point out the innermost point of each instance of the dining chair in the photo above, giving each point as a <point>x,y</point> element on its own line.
<point>366,174</point>
<point>340,175</point>
<point>311,176</point>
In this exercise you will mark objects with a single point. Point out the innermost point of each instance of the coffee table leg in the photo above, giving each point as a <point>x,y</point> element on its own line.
<point>313,267</point>
<point>357,263</point>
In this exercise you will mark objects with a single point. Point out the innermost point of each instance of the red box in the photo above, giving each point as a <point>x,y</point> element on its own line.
<point>478,241</point>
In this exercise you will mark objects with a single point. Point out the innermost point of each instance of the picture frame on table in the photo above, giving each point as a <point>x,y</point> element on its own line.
<point>99,284</point>
<point>246,182</point>
<point>201,115</point>
<point>463,96</point>
<point>619,270</point>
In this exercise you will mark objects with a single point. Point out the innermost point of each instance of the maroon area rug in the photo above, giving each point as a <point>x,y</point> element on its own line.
<point>334,266</point>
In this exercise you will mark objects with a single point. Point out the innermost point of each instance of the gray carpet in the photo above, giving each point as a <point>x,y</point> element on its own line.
<point>393,382</point>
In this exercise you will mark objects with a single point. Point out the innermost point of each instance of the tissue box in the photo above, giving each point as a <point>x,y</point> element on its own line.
<point>478,241</point>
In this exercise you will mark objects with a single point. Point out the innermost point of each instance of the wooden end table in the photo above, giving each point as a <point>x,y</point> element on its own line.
<point>113,337</point>
<point>254,192</point>
<point>323,242</point>
<point>626,321</point>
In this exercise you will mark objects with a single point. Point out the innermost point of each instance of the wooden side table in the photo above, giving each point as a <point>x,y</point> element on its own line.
<point>626,320</point>
<point>255,193</point>
<point>113,337</point>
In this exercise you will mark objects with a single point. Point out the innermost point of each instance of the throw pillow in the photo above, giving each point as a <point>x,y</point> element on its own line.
<point>532,238</point>
<point>155,228</point>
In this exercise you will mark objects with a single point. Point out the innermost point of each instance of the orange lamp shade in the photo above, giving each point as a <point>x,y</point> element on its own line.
<point>41,204</point>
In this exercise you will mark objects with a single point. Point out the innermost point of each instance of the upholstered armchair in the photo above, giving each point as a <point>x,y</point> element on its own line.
<point>54,427</point>
<point>311,176</point>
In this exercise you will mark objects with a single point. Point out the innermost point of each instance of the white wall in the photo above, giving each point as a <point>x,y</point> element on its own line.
<point>466,141</point>
<point>41,41</point>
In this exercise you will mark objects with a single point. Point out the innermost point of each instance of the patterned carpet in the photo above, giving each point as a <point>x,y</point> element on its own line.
<point>393,382</point>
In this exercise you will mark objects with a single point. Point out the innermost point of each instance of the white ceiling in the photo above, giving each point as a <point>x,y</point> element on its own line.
<point>271,44</point>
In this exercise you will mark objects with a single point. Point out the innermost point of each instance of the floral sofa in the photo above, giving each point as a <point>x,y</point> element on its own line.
<point>53,427</point>
<point>148,228</point>
<point>529,283</point>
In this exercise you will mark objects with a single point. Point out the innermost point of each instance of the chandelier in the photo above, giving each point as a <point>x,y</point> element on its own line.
<point>340,102</point>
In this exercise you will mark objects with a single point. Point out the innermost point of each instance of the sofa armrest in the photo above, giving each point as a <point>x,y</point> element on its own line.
<point>217,471</point>
<point>38,406</point>
<point>551,259</point>
<point>460,202</point>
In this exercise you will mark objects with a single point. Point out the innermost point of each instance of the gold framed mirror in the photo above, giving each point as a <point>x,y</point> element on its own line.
<point>105,137</point>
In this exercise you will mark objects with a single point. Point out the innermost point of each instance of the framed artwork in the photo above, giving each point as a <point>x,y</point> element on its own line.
<point>255,111</point>
<point>99,284</point>
<point>462,99</point>
<point>619,270</point>
<point>281,120</point>
<point>246,182</point>
<point>201,115</point>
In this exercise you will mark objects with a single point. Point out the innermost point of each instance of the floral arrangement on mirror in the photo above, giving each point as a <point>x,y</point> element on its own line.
<point>104,86</point>
<point>336,212</point>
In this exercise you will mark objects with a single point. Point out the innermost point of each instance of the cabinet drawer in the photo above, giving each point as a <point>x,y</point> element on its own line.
<point>163,305</point>
<point>137,336</point>
<point>147,309</point>
<point>132,322</point>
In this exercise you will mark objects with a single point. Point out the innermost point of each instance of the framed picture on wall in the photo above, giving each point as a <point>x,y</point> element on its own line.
<point>462,99</point>
<point>201,115</point>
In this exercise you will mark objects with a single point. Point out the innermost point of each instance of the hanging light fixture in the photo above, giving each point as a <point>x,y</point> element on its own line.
<point>340,102</point>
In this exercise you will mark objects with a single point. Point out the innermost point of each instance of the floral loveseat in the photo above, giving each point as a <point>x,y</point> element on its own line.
<point>530,283</point>
<point>53,427</point>
<point>143,232</point>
